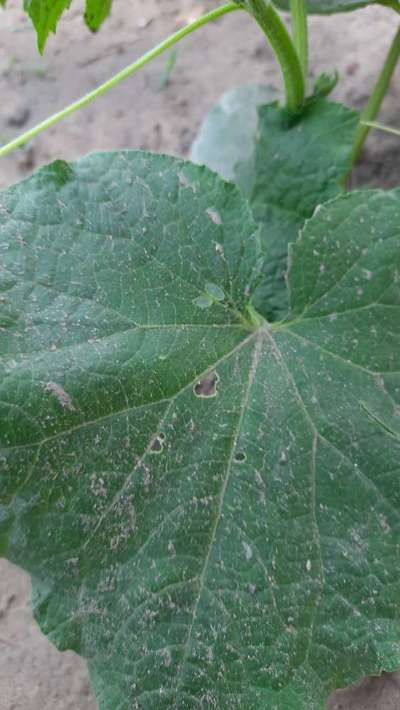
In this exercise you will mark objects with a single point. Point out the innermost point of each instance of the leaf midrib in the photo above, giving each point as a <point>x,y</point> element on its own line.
<point>313,480</point>
<point>256,356</point>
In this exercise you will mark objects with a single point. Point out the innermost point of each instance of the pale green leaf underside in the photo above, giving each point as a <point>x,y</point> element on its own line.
<point>227,135</point>
<point>280,167</point>
<point>233,551</point>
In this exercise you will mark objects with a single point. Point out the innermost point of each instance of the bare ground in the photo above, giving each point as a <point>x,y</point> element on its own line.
<point>149,112</point>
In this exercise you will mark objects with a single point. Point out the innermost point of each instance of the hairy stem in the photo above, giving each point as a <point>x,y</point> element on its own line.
<point>123,74</point>
<point>285,51</point>
<point>300,32</point>
<point>378,94</point>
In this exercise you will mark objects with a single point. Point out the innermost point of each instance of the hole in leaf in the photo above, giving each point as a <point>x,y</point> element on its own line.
<point>207,387</point>
<point>157,444</point>
<point>240,456</point>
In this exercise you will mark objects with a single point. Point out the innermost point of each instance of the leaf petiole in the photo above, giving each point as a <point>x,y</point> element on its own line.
<point>375,101</point>
<point>300,32</point>
<point>117,78</point>
<point>285,51</point>
<point>381,127</point>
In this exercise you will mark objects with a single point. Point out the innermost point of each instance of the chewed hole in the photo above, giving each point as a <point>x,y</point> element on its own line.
<point>240,457</point>
<point>207,386</point>
<point>157,444</point>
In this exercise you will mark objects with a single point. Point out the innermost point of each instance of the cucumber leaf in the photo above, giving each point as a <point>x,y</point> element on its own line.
<point>96,12</point>
<point>281,168</point>
<point>328,7</point>
<point>227,135</point>
<point>45,15</point>
<point>208,503</point>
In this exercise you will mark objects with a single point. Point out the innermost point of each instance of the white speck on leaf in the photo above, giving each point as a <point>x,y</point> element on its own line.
<point>248,552</point>
<point>214,215</point>
<point>384,523</point>
<point>185,182</point>
<point>167,657</point>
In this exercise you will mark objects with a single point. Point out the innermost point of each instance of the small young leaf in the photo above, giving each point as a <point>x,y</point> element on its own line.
<point>324,85</point>
<point>209,511</point>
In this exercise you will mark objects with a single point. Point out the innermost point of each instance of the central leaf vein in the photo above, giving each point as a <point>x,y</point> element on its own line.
<point>257,353</point>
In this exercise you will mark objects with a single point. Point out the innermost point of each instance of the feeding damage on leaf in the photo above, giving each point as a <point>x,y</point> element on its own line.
<point>240,552</point>
<point>207,386</point>
<point>157,444</point>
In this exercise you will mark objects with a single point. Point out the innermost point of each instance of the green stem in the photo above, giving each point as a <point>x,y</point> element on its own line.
<point>131,69</point>
<point>378,94</point>
<point>300,32</point>
<point>285,51</point>
<point>381,127</point>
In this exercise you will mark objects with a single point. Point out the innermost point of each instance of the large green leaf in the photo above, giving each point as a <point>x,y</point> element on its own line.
<point>282,169</point>
<point>45,15</point>
<point>229,541</point>
<point>327,7</point>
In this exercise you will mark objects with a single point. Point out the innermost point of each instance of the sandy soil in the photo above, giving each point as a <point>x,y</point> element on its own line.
<point>149,112</point>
